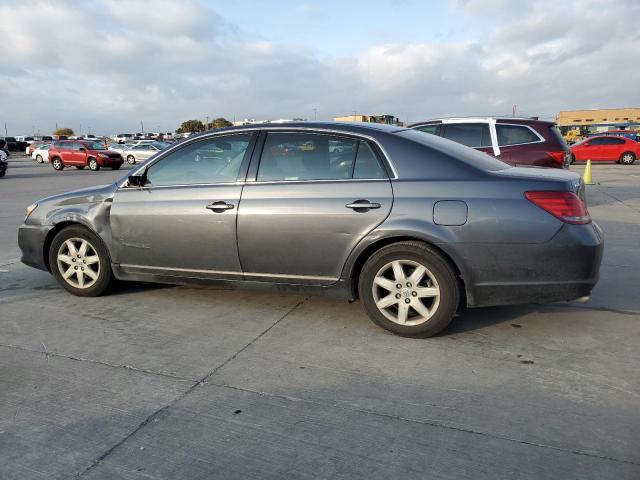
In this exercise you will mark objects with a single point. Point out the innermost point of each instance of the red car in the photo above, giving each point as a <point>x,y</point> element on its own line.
<point>83,153</point>
<point>606,149</point>
<point>518,141</point>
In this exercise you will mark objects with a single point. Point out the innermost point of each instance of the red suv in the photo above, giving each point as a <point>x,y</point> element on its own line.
<point>606,149</point>
<point>83,153</point>
<point>518,141</point>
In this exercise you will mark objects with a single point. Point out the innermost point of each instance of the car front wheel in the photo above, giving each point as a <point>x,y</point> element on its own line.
<point>57,164</point>
<point>408,288</point>
<point>93,164</point>
<point>80,262</point>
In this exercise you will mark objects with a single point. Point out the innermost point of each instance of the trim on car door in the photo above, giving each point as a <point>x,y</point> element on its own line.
<point>223,272</point>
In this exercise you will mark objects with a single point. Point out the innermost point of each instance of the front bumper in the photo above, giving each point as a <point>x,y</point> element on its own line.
<point>31,240</point>
<point>565,268</point>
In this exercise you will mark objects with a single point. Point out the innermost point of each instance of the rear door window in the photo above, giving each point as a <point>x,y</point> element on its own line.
<point>470,134</point>
<point>515,135</point>
<point>612,141</point>
<point>306,156</point>
<point>367,163</point>
<point>433,129</point>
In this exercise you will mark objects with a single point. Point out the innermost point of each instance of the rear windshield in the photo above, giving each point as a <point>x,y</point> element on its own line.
<point>466,154</point>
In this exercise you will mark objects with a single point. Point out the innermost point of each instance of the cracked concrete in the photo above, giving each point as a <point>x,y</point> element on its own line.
<point>172,382</point>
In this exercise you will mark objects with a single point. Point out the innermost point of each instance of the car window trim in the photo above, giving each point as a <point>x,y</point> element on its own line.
<point>386,162</point>
<point>377,149</point>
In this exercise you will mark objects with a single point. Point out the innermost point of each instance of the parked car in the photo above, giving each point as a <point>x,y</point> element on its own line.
<point>517,141</point>
<point>4,163</point>
<point>34,146</point>
<point>41,154</point>
<point>413,225</point>
<point>81,154</point>
<point>120,147</point>
<point>14,145</point>
<point>606,149</point>
<point>141,152</point>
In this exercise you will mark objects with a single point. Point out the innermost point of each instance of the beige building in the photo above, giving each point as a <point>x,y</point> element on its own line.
<point>388,119</point>
<point>605,117</point>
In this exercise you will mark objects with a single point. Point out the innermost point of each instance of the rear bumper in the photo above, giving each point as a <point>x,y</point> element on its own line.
<point>31,240</point>
<point>565,268</point>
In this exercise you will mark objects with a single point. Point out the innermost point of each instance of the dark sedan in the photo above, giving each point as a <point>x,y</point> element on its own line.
<point>414,225</point>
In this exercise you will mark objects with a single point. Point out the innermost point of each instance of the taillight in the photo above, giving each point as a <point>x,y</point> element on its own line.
<point>557,157</point>
<point>565,206</point>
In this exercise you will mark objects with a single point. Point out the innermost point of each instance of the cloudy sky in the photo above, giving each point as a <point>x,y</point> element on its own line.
<point>104,65</point>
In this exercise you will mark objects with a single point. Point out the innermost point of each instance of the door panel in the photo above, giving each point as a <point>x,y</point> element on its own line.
<point>289,229</point>
<point>172,228</point>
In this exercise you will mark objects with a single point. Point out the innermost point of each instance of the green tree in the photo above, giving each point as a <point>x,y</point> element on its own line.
<point>64,131</point>
<point>191,126</point>
<point>220,123</point>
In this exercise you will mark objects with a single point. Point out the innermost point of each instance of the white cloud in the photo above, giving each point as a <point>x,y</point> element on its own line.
<point>109,64</point>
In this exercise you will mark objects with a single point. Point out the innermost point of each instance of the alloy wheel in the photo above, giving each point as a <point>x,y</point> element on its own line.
<point>78,263</point>
<point>406,292</point>
<point>627,158</point>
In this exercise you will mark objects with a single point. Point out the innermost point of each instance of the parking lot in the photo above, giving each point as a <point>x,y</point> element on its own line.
<point>174,382</point>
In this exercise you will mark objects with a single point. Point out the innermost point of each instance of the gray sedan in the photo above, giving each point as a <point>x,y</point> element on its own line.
<point>414,225</point>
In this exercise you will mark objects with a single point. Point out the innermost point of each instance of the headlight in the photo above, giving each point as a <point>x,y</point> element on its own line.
<point>30,209</point>
<point>103,155</point>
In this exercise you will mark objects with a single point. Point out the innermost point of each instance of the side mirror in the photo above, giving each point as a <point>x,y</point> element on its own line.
<point>137,180</point>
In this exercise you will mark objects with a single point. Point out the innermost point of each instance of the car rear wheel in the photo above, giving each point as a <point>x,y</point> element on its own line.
<point>627,158</point>
<point>131,160</point>
<point>93,164</point>
<point>39,158</point>
<point>57,164</point>
<point>80,262</point>
<point>408,288</point>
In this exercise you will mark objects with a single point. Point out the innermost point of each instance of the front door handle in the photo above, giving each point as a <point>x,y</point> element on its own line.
<point>362,205</point>
<point>220,207</point>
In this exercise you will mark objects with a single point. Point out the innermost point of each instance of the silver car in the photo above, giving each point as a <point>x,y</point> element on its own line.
<point>414,225</point>
<point>141,152</point>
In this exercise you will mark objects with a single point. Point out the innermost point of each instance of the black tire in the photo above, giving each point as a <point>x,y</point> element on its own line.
<point>115,167</point>
<point>80,167</point>
<point>131,160</point>
<point>39,158</point>
<point>105,275</point>
<point>573,159</point>
<point>437,266</point>
<point>57,164</point>
<point>2,172</point>
<point>627,158</point>
<point>94,166</point>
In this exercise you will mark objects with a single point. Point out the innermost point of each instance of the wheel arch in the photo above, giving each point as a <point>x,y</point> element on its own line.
<point>51,234</point>
<point>354,267</point>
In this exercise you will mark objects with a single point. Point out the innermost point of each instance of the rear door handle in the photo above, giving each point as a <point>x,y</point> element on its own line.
<point>362,205</point>
<point>220,207</point>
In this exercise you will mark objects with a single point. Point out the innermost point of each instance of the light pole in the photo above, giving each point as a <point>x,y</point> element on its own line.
<point>206,125</point>
<point>142,126</point>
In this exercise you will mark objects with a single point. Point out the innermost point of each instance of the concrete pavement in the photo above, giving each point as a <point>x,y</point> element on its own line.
<point>174,382</point>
